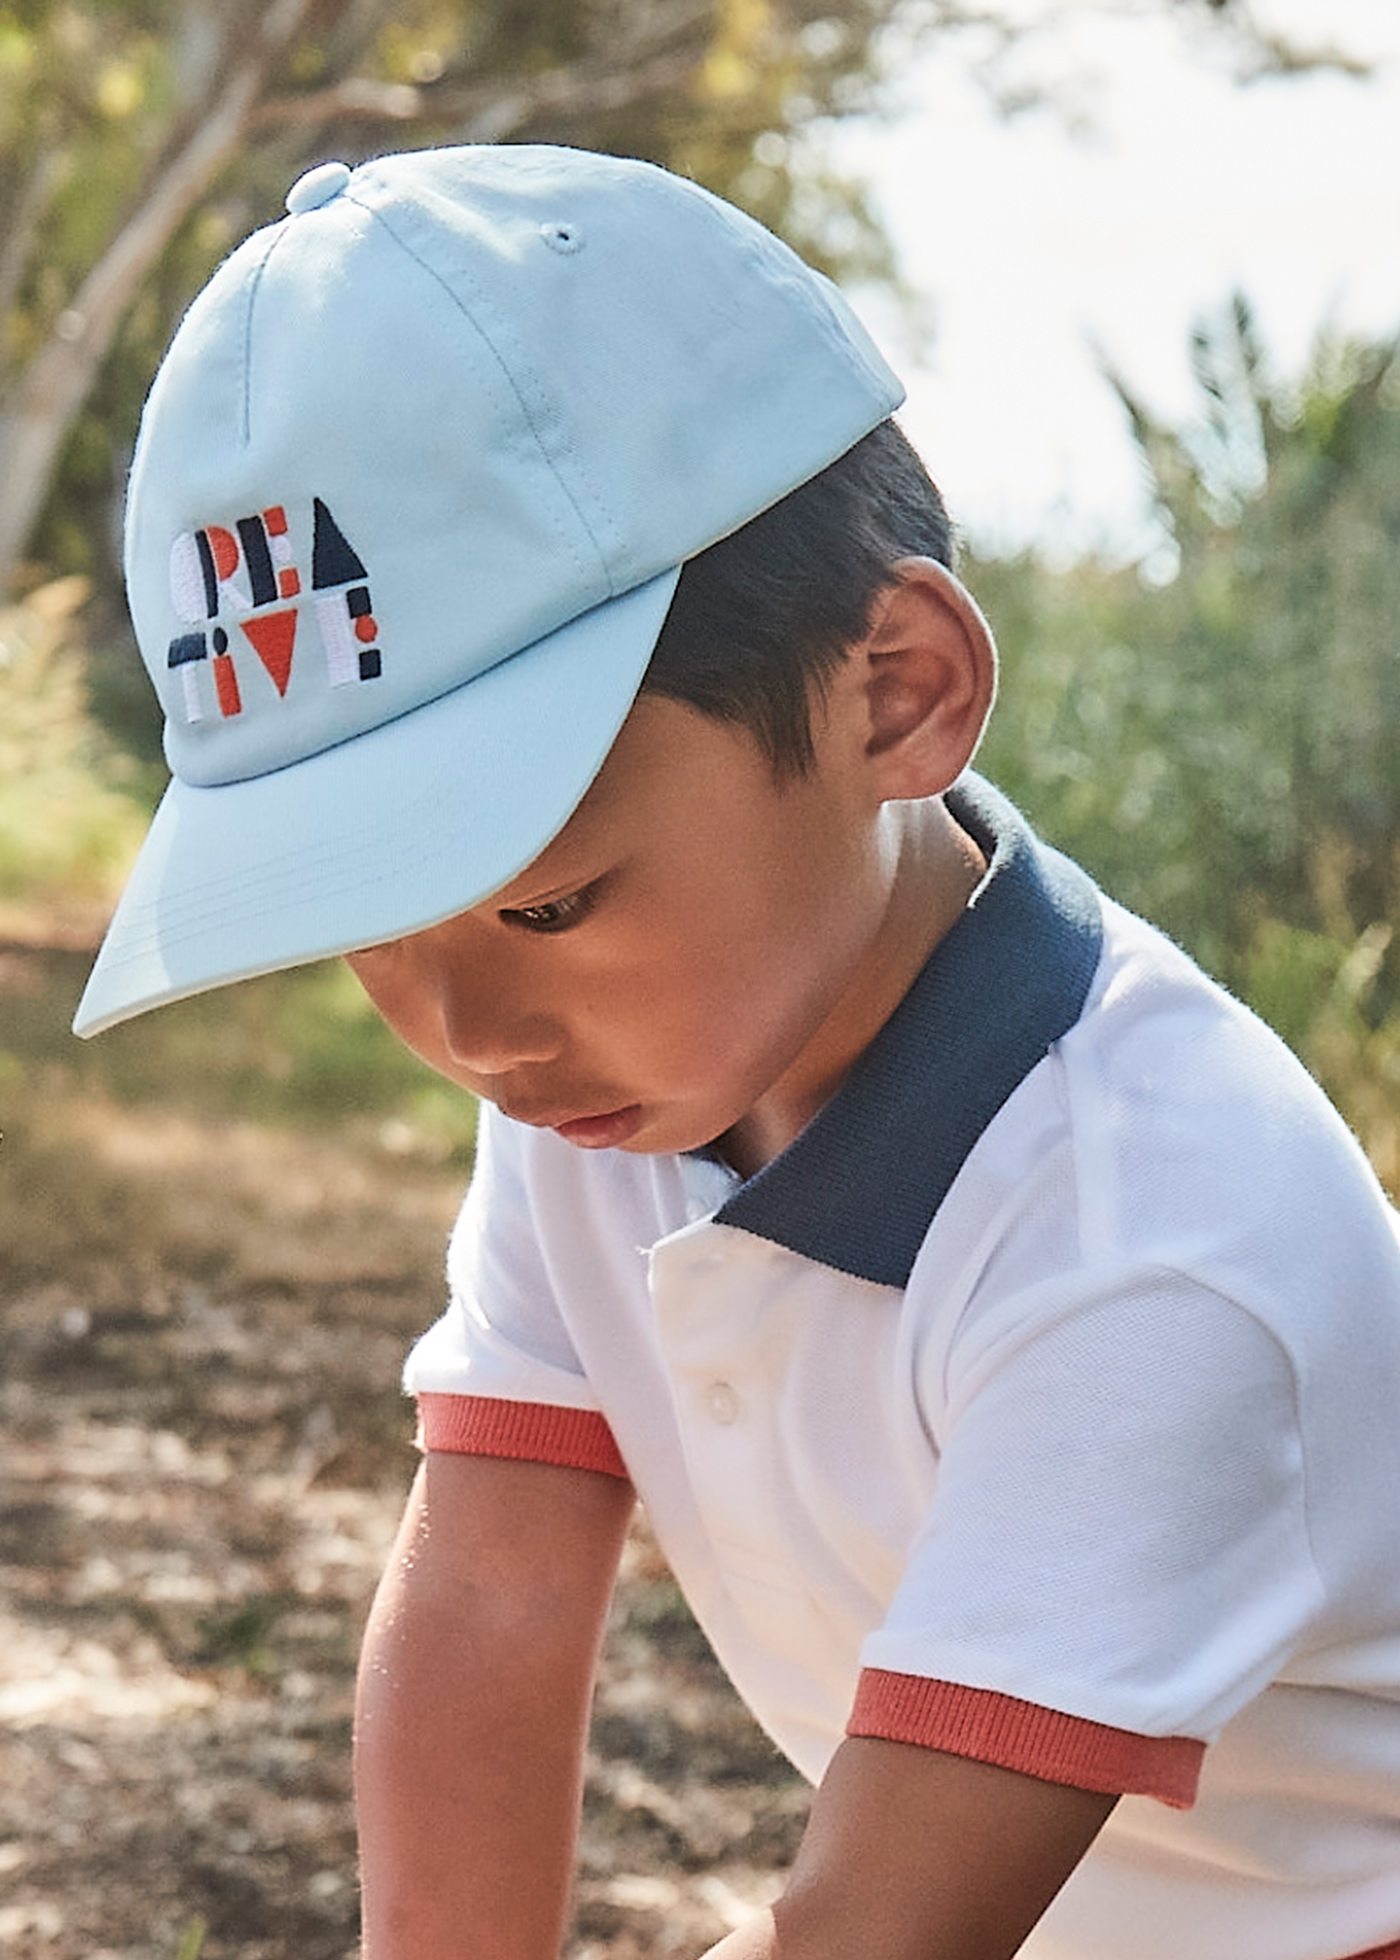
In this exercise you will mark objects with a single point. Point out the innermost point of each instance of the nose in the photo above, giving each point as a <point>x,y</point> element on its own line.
<point>489,1027</point>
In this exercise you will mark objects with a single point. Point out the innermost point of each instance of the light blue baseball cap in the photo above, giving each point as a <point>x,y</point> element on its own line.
<point>409,504</point>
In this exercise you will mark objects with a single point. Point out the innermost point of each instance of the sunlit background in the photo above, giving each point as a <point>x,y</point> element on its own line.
<point>1138,260</point>
<point>1141,185</point>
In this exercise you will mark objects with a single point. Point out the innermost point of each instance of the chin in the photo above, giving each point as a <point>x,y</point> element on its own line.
<point>671,1136</point>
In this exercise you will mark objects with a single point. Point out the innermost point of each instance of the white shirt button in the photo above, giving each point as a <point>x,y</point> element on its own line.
<point>722,1401</point>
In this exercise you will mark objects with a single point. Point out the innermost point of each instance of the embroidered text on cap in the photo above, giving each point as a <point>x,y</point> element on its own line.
<point>247,565</point>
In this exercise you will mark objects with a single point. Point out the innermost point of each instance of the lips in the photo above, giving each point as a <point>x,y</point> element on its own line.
<point>596,1130</point>
<point>601,1132</point>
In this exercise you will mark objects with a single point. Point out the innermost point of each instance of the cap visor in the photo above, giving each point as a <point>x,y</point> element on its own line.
<point>382,835</point>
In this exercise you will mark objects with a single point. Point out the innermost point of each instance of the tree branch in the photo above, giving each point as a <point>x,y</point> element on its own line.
<point>197,54</point>
<point>484,112</point>
<point>358,96</point>
<point>53,387</point>
<point>26,214</point>
<point>489,116</point>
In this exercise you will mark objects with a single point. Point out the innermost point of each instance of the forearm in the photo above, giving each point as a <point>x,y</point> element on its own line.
<point>467,1810</point>
<point>836,1935</point>
<point>470,1730</point>
<point>914,1855</point>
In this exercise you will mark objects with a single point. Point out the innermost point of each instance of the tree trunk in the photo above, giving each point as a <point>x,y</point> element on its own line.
<point>34,422</point>
<point>40,409</point>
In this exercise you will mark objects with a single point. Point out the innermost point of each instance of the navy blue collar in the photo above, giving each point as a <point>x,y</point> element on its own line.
<point>858,1188</point>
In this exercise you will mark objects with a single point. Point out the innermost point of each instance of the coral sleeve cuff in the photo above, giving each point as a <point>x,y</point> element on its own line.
<point>534,1432</point>
<point>1021,1735</point>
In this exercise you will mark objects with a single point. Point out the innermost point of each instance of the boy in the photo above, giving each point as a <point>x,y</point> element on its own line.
<point>1000,1329</point>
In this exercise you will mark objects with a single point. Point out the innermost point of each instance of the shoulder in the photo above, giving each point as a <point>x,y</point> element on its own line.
<point>1169,1132</point>
<point>1211,1135</point>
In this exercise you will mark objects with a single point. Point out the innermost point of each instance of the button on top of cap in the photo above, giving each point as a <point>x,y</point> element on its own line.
<point>317,187</point>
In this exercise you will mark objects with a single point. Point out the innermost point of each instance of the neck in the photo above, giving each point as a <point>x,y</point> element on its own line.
<point>936,868</point>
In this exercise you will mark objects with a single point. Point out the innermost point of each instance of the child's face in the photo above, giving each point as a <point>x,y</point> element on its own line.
<point>675,956</point>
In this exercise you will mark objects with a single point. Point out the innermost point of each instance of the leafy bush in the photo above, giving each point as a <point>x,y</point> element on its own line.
<point>1223,751</point>
<point>68,820</point>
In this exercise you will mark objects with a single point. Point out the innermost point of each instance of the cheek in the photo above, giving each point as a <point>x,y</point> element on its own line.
<point>370,971</point>
<point>735,995</point>
<point>403,1007</point>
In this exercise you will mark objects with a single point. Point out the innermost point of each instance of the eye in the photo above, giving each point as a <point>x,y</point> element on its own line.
<point>557,914</point>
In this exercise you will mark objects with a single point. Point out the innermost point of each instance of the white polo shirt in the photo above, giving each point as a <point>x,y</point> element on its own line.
<point>1040,1403</point>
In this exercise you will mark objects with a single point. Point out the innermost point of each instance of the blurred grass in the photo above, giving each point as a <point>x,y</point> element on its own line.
<point>69,822</point>
<point>193,1939</point>
<point>300,1049</point>
<point>189,1149</point>
<point>1320,994</point>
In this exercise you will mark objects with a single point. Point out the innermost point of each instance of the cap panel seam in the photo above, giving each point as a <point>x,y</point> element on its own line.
<point>245,379</point>
<point>514,386</point>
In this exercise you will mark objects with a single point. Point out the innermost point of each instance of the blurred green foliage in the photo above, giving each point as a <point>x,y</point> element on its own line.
<point>1223,749</point>
<point>68,824</point>
<point>192,1939</point>
<point>139,139</point>
<point>301,1050</point>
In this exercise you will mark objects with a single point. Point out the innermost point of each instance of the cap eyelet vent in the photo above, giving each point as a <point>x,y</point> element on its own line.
<point>563,238</point>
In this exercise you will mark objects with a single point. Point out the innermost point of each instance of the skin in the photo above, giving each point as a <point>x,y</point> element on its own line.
<point>711,950</point>
<point>689,879</point>
<point>911,1854</point>
<point>472,1706</point>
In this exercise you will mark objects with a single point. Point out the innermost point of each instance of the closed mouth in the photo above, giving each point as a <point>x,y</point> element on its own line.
<point>561,1119</point>
<point>618,1126</point>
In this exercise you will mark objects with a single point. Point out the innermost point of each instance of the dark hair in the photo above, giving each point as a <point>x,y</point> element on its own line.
<point>761,620</point>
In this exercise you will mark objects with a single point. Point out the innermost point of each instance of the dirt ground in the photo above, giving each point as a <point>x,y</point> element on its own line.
<point>203,1452</point>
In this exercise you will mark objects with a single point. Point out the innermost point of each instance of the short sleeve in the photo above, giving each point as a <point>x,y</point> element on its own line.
<point>1116,1558</point>
<point>497,1375</point>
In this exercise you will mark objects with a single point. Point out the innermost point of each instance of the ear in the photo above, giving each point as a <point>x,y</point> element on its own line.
<point>929,673</point>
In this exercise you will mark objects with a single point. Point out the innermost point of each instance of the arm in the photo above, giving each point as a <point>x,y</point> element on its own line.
<point>913,1854</point>
<point>475,1682</point>
<point>1119,1491</point>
